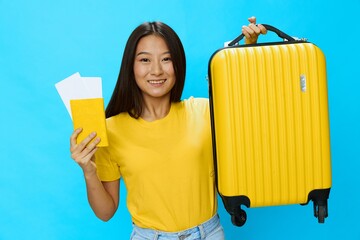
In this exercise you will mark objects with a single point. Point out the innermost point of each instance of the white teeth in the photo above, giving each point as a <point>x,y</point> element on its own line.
<point>156,81</point>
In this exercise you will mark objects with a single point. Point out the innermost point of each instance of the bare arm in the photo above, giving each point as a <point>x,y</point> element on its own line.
<point>103,197</point>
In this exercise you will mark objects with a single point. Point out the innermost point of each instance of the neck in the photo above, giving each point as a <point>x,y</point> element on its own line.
<point>155,109</point>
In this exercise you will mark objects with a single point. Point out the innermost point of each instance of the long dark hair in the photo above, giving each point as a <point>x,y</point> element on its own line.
<point>127,96</point>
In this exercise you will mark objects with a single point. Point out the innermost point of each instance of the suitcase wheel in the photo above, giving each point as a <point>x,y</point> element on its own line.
<point>320,200</point>
<point>239,218</point>
<point>320,212</point>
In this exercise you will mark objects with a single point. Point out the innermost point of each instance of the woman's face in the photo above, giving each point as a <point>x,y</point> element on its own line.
<point>153,68</point>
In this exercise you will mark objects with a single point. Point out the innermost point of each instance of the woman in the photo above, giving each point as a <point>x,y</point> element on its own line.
<point>159,144</point>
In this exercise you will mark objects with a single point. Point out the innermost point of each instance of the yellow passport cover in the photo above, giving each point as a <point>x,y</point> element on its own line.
<point>89,114</point>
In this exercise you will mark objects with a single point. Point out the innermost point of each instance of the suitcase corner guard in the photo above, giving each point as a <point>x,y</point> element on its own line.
<point>233,207</point>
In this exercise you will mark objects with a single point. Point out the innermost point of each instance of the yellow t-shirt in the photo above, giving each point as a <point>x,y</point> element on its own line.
<point>167,166</point>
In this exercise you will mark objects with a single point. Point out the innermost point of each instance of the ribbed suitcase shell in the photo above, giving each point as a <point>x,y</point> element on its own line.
<point>270,122</point>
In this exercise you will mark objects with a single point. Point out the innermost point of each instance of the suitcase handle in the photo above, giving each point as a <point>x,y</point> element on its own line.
<point>268,27</point>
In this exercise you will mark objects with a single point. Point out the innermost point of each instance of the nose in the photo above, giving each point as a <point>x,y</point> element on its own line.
<point>156,68</point>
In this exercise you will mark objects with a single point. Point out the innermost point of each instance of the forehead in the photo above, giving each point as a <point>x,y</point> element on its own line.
<point>152,43</point>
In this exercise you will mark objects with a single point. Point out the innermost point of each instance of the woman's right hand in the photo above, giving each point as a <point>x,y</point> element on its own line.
<point>83,153</point>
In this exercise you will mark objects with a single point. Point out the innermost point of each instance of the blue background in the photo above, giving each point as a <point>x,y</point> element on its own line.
<point>42,191</point>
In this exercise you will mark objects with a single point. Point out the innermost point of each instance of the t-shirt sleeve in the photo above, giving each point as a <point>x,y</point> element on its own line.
<point>107,170</point>
<point>201,104</point>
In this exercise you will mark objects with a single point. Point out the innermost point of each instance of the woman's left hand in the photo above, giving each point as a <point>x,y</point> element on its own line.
<point>252,31</point>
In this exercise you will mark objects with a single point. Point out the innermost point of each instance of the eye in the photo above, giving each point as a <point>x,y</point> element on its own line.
<point>144,60</point>
<point>167,59</point>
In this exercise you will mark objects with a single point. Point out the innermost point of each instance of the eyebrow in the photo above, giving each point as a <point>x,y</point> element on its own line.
<point>147,53</point>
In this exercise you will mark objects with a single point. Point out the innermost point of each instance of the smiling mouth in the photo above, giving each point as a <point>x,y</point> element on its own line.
<point>157,81</point>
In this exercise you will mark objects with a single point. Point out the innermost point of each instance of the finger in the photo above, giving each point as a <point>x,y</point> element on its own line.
<point>82,153</point>
<point>247,31</point>
<point>256,30</point>
<point>263,30</point>
<point>85,160</point>
<point>90,155</point>
<point>78,148</point>
<point>87,140</point>
<point>92,145</point>
<point>252,20</point>
<point>74,136</point>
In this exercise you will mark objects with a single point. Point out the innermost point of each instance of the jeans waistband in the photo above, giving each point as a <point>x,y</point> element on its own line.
<point>203,230</point>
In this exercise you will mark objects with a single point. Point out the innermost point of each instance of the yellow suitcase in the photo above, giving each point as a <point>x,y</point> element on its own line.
<point>270,125</point>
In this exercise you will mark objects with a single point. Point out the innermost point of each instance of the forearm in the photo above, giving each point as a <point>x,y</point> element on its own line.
<point>103,197</point>
<point>99,199</point>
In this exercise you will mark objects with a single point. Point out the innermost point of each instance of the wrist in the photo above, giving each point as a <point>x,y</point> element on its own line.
<point>250,41</point>
<point>90,175</point>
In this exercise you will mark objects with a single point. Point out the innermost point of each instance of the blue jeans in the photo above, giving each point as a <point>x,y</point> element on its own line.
<point>209,230</point>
